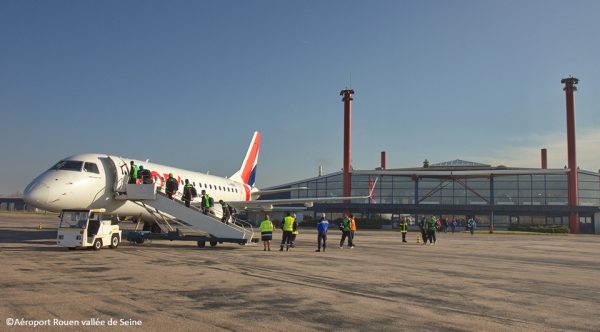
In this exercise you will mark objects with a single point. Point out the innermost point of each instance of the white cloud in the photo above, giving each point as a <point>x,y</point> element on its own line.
<point>525,151</point>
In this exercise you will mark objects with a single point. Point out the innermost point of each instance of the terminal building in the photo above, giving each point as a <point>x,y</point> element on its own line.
<point>495,195</point>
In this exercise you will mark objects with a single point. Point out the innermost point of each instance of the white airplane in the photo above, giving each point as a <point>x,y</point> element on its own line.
<point>89,181</point>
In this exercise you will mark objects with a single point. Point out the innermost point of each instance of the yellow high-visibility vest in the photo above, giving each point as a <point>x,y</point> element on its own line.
<point>288,224</point>
<point>266,226</point>
<point>403,227</point>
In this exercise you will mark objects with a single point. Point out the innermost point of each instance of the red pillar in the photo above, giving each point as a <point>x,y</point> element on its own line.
<point>347,140</point>
<point>544,159</point>
<point>573,191</point>
<point>383,160</point>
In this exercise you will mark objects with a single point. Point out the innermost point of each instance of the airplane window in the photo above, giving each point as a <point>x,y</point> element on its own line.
<point>91,168</point>
<point>210,185</point>
<point>68,165</point>
<point>220,188</point>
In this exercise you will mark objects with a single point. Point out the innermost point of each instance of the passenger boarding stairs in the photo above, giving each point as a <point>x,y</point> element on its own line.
<point>167,212</point>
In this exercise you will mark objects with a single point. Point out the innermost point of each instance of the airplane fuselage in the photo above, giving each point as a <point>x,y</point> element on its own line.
<point>89,181</point>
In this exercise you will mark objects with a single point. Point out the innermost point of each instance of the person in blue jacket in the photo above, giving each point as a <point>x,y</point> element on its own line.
<point>322,227</point>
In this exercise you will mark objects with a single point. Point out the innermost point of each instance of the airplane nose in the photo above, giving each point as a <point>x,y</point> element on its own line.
<point>36,194</point>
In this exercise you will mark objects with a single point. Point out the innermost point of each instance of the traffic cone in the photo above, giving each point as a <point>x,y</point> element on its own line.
<point>418,239</point>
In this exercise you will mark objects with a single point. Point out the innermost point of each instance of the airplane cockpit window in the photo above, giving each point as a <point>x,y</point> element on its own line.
<point>68,165</point>
<point>91,168</point>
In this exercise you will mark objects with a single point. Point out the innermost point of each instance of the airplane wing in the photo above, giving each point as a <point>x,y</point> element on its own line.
<point>267,204</point>
<point>276,191</point>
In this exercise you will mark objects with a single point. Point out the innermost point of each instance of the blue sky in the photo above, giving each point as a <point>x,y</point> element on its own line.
<point>185,83</point>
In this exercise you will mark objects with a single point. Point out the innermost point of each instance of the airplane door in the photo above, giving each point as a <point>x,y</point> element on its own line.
<point>120,171</point>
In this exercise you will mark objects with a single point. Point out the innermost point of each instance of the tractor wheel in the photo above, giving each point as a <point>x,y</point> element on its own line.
<point>114,241</point>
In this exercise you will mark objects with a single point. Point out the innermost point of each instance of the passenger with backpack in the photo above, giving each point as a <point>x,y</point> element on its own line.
<point>206,202</point>
<point>172,186</point>
<point>133,173</point>
<point>226,211</point>
<point>187,193</point>
<point>145,175</point>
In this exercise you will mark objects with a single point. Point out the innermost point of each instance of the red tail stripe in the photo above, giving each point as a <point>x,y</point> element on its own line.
<point>249,165</point>
<point>247,190</point>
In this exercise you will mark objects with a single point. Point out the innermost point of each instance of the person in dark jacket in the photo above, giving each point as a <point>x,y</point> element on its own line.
<point>206,202</point>
<point>172,186</point>
<point>226,211</point>
<point>423,230</point>
<point>145,175</point>
<point>187,193</point>
<point>431,226</point>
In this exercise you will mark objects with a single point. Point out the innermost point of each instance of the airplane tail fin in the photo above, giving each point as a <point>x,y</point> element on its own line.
<point>247,172</point>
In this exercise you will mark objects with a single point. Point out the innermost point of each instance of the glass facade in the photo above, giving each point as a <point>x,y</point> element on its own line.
<point>506,198</point>
<point>589,189</point>
<point>530,189</point>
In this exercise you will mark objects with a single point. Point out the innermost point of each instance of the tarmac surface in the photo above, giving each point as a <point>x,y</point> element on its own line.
<point>464,283</point>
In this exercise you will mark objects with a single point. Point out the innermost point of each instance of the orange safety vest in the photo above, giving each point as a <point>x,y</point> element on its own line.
<point>352,225</point>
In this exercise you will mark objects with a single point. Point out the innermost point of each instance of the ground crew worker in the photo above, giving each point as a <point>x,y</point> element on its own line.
<point>172,186</point>
<point>403,229</point>
<point>205,202</point>
<point>133,173</point>
<point>288,226</point>
<point>322,227</point>
<point>345,227</point>
<point>294,233</point>
<point>266,232</point>
<point>187,193</point>
<point>352,228</point>
<point>225,209</point>
<point>432,225</point>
